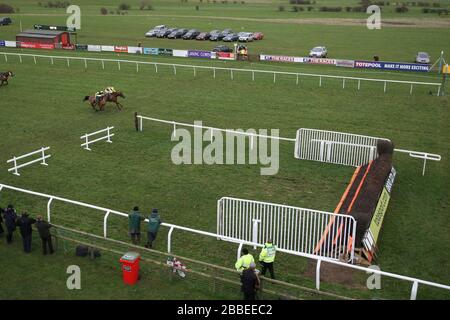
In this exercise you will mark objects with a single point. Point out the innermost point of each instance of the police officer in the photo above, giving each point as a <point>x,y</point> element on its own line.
<point>267,257</point>
<point>244,261</point>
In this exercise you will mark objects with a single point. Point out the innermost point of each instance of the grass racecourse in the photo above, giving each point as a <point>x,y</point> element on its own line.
<point>42,106</point>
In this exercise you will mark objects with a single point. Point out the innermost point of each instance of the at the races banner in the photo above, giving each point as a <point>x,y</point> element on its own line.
<point>319,61</point>
<point>37,45</point>
<point>397,66</point>
<point>264,57</point>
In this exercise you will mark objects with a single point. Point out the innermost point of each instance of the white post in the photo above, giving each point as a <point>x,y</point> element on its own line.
<point>274,77</point>
<point>156,68</point>
<point>385,84</point>
<point>48,209</point>
<point>174,129</point>
<point>214,72</point>
<point>439,91</point>
<point>174,70</point>
<point>424,165</point>
<point>118,64</point>
<point>103,64</point>
<point>169,240</point>
<point>51,59</point>
<point>359,84</point>
<point>255,230</point>
<point>43,157</point>
<point>239,250</point>
<point>318,274</point>
<point>20,58</point>
<point>6,58</point>
<point>343,83</point>
<point>195,73</point>
<point>297,80</point>
<point>105,224</point>
<point>251,142</point>
<point>34,58</point>
<point>85,63</point>
<point>87,142</point>
<point>232,75</point>
<point>320,81</point>
<point>414,290</point>
<point>109,135</point>
<point>253,75</point>
<point>137,67</point>
<point>140,124</point>
<point>15,167</point>
<point>68,63</point>
<point>410,91</point>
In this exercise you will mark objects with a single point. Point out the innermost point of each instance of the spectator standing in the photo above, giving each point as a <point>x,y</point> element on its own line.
<point>24,223</point>
<point>154,221</point>
<point>1,221</point>
<point>134,225</point>
<point>44,232</point>
<point>267,257</point>
<point>244,261</point>
<point>10,222</point>
<point>250,282</point>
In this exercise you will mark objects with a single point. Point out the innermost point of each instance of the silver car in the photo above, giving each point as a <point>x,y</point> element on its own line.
<point>422,57</point>
<point>246,37</point>
<point>318,52</point>
<point>153,32</point>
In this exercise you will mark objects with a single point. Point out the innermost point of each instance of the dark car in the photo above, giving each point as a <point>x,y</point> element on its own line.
<point>191,34</point>
<point>203,36</point>
<point>222,48</point>
<point>231,37</point>
<point>4,21</point>
<point>220,35</point>
<point>177,34</point>
<point>165,33</point>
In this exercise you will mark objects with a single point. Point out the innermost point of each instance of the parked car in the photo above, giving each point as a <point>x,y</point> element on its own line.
<point>153,32</point>
<point>203,36</point>
<point>318,52</point>
<point>258,36</point>
<point>246,37</point>
<point>165,32</point>
<point>214,35</point>
<point>224,33</point>
<point>4,21</point>
<point>177,34</point>
<point>231,37</point>
<point>422,57</point>
<point>222,48</point>
<point>191,34</point>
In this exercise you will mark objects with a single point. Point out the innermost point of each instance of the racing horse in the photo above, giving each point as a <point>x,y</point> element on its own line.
<point>4,76</point>
<point>109,97</point>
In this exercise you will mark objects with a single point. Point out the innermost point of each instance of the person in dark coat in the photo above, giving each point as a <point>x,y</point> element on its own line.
<point>44,232</point>
<point>250,282</point>
<point>154,221</point>
<point>24,223</point>
<point>10,222</point>
<point>1,221</point>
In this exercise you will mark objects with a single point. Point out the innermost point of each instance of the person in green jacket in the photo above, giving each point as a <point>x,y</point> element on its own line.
<point>134,225</point>
<point>154,221</point>
<point>267,257</point>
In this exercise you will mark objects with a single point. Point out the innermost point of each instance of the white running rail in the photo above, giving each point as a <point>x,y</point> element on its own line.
<point>415,281</point>
<point>87,135</point>
<point>42,158</point>
<point>174,66</point>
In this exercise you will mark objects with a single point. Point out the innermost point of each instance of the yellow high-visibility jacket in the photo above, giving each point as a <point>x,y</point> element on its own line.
<point>267,254</point>
<point>244,262</point>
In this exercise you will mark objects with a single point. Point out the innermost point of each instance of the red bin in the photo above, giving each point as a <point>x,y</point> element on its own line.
<point>130,267</point>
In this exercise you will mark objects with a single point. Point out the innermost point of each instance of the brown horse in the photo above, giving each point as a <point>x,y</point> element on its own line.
<point>4,76</point>
<point>109,97</point>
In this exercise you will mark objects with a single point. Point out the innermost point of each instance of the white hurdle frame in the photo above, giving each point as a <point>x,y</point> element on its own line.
<point>87,135</point>
<point>42,158</point>
<point>415,281</point>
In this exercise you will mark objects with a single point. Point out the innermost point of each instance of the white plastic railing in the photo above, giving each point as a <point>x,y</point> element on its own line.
<point>231,70</point>
<point>42,158</point>
<point>87,135</point>
<point>415,282</point>
<point>413,154</point>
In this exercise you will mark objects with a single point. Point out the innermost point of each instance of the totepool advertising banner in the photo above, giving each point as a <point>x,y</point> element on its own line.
<point>123,49</point>
<point>108,48</point>
<point>200,54</point>
<point>36,45</point>
<point>264,57</point>
<point>398,66</point>
<point>152,51</point>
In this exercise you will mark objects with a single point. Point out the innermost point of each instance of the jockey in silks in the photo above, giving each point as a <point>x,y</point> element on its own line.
<point>110,90</point>
<point>100,94</point>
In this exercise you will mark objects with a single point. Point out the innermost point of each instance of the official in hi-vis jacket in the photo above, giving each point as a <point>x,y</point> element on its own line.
<point>267,257</point>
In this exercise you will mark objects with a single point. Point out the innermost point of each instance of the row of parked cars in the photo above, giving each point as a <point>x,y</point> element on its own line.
<point>227,35</point>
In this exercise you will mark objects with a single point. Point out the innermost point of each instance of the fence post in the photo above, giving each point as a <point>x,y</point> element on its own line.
<point>232,77</point>
<point>48,209</point>
<point>169,240</point>
<point>253,75</point>
<point>85,63</point>
<point>51,59</point>
<point>43,157</point>
<point>87,142</point>
<point>385,84</point>
<point>414,290</point>
<point>274,77</point>
<point>118,64</point>
<point>239,250</point>
<point>174,70</point>
<point>195,73</point>
<point>297,80</point>
<point>174,129</point>
<point>255,230</point>
<point>214,72</point>
<point>140,124</point>
<point>343,83</point>
<point>15,167</point>
<point>109,134</point>
<point>105,224</point>
<point>68,62</point>
<point>410,91</point>
<point>359,84</point>
<point>318,274</point>
<point>34,58</point>
<point>156,68</point>
<point>20,58</point>
<point>320,81</point>
<point>137,67</point>
<point>424,165</point>
<point>6,58</point>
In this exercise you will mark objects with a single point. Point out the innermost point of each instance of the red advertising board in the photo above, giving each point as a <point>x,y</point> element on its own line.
<point>37,45</point>
<point>225,55</point>
<point>121,49</point>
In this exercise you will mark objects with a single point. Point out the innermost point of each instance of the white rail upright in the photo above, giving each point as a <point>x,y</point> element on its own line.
<point>107,137</point>
<point>42,158</point>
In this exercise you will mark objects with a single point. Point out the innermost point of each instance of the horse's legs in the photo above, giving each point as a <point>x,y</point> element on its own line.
<point>118,105</point>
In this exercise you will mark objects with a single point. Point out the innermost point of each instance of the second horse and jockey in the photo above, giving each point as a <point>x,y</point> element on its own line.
<point>100,98</point>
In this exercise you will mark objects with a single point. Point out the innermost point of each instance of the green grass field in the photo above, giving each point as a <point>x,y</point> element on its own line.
<point>43,106</point>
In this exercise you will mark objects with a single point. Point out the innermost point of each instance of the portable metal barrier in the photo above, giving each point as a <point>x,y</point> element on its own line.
<point>42,158</point>
<point>87,135</point>
<point>290,228</point>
